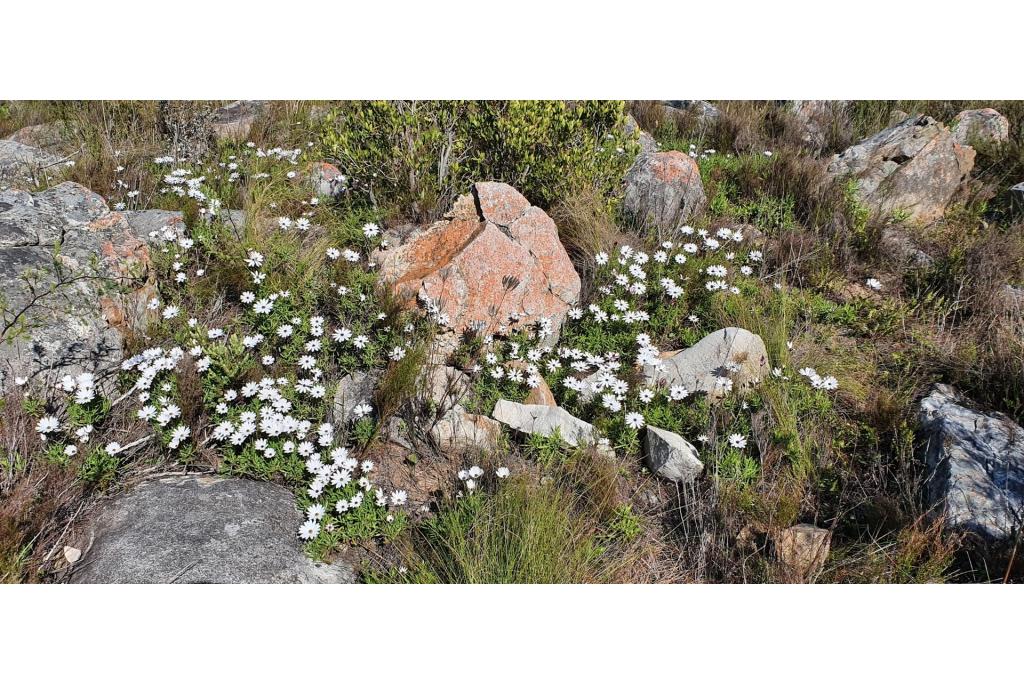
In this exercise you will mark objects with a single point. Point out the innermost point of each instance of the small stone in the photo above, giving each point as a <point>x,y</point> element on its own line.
<point>671,456</point>
<point>72,554</point>
<point>801,551</point>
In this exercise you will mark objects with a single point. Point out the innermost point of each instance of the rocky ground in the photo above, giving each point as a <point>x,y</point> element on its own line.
<point>675,341</point>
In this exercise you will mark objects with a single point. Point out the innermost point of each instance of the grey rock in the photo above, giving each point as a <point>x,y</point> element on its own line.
<point>234,121</point>
<point>232,217</point>
<point>201,529</point>
<point>397,431</point>
<point>733,353</point>
<point>327,180</point>
<point>817,118</point>
<point>353,389</point>
<point>459,430</point>
<point>981,126</point>
<point>900,247</point>
<point>540,419</point>
<point>703,112</point>
<point>671,456</point>
<point>151,224</point>
<point>66,309</point>
<point>20,162</point>
<point>1017,198</point>
<point>663,190</point>
<point>52,136</point>
<point>442,387</point>
<point>914,167</point>
<point>975,461</point>
<point>647,142</point>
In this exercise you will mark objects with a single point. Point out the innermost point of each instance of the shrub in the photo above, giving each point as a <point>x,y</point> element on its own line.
<point>99,468</point>
<point>420,155</point>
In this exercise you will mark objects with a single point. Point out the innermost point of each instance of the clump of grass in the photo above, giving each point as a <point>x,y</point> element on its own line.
<point>523,533</point>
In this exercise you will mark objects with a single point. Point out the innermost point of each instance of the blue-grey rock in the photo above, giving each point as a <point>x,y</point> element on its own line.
<point>975,461</point>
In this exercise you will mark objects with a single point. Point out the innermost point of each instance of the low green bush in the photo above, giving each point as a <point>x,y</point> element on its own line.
<point>420,155</point>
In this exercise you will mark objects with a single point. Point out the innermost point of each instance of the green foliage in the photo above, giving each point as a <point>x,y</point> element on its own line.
<point>420,155</point>
<point>367,522</point>
<point>32,405</point>
<point>625,525</point>
<point>88,414</point>
<point>739,186</point>
<point>523,533</point>
<point>99,468</point>
<point>55,454</point>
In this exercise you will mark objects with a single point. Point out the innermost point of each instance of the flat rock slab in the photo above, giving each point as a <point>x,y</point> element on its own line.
<point>201,529</point>
<point>539,419</point>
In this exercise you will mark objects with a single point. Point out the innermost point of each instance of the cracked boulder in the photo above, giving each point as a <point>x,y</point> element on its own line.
<point>728,359</point>
<point>200,529</point>
<point>664,190</point>
<point>494,264</point>
<point>981,126</point>
<point>74,277</point>
<point>975,464</point>
<point>912,169</point>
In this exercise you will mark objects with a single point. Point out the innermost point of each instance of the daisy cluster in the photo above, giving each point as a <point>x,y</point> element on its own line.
<point>637,291</point>
<point>267,366</point>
